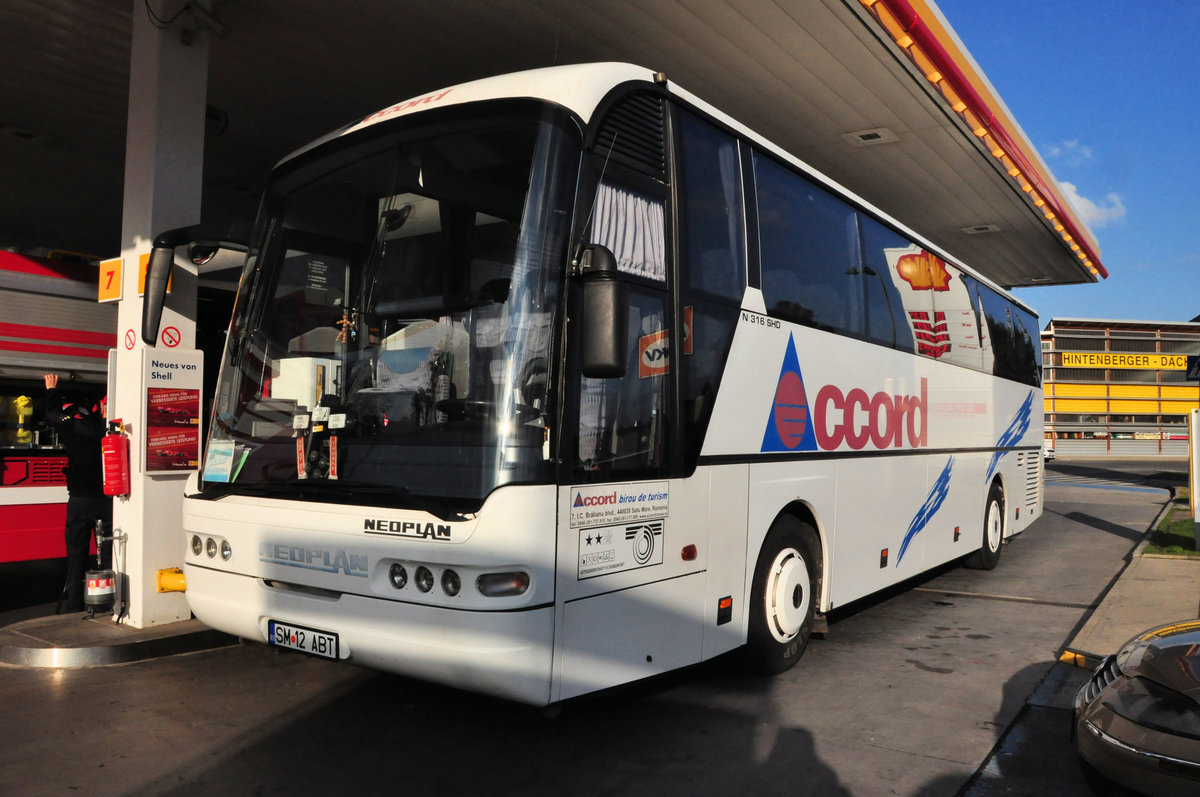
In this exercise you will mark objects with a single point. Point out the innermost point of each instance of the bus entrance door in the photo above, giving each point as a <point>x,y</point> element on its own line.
<point>629,605</point>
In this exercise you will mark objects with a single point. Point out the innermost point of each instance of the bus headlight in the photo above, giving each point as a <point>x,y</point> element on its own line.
<point>502,585</point>
<point>424,579</point>
<point>197,544</point>
<point>398,575</point>
<point>451,583</point>
<point>210,548</point>
<point>226,550</point>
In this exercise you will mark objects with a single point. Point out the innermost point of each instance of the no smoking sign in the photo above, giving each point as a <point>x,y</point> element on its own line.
<point>170,337</point>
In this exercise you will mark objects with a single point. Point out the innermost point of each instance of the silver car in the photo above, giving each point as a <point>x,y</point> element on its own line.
<point>1137,720</point>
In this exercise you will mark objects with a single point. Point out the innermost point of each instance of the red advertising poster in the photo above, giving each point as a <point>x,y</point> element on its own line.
<point>172,407</point>
<point>172,429</point>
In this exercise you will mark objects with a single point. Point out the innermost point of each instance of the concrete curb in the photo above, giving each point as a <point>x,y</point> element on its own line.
<point>64,641</point>
<point>1133,597</point>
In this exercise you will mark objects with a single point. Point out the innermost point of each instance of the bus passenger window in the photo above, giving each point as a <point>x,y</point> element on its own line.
<point>886,322</point>
<point>954,305</point>
<point>714,261</point>
<point>809,243</point>
<point>1008,334</point>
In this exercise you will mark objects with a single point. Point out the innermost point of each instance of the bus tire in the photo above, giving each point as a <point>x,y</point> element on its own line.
<point>988,556</point>
<point>783,597</point>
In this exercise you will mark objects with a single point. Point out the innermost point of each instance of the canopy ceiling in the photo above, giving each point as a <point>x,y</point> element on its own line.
<point>821,78</point>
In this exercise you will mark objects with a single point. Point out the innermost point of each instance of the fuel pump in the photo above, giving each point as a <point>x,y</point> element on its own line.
<point>100,585</point>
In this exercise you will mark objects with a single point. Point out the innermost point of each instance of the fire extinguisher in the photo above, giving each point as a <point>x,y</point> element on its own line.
<point>114,451</point>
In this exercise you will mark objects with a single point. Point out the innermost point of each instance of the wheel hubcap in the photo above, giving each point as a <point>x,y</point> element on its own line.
<point>995,526</point>
<point>787,595</point>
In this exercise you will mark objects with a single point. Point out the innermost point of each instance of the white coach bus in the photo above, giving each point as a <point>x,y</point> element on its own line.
<point>548,382</point>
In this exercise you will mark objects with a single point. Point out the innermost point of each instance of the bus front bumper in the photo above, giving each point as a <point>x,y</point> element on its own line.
<point>503,653</point>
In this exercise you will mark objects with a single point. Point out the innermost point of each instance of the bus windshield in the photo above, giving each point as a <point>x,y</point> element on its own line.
<point>394,327</point>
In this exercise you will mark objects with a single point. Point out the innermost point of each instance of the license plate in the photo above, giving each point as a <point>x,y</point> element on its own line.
<point>305,640</point>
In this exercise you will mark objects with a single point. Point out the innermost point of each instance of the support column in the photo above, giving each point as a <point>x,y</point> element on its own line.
<point>164,158</point>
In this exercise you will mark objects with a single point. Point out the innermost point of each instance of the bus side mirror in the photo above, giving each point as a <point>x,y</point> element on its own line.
<point>605,315</point>
<point>204,249</point>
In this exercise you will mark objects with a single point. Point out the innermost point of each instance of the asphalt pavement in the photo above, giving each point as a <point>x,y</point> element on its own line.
<point>1035,757</point>
<point>1032,754</point>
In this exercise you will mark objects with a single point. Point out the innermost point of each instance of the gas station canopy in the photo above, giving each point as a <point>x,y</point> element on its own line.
<point>878,94</point>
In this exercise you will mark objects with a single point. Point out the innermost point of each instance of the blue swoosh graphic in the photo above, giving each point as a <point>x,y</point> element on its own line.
<point>1013,434</point>
<point>933,502</point>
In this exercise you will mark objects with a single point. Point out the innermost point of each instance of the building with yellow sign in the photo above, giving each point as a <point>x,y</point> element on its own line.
<point>1119,387</point>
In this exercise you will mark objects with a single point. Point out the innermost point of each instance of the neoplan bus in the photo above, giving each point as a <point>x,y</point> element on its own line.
<point>548,382</point>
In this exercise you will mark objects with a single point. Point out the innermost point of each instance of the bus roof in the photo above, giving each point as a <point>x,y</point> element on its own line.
<point>580,88</point>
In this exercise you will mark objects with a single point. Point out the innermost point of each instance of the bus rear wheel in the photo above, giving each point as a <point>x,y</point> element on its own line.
<point>782,597</point>
<point>987,557</point>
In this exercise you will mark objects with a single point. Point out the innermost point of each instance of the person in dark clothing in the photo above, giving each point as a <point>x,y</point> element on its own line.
<point>80,429</point>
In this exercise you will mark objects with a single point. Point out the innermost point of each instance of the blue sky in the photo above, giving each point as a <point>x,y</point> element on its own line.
<point>1108,92</point>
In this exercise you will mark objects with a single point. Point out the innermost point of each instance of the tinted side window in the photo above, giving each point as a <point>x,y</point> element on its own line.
<point>1008,332</point>
<point>827,266</point>
<point>997,331</point>
<point>1015,343</point>
<point>714,257</point>
<point>808,243</point>
<point>955,310</point>
<point>1029,346</point>
<point>713,273</point>
<point>882,249</point>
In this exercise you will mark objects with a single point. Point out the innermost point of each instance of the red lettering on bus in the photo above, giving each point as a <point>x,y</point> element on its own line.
<point>857,436</point>
<point>829,396</point>
<point>595,500</point>
<point>882,409</point>
<point>883,422</point>
<point>404,106</point>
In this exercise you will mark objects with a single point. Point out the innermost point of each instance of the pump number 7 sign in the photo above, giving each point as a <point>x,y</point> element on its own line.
<point>110,281</point>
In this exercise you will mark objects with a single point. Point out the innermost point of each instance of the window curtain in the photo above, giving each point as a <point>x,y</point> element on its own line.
<point>633,226</point>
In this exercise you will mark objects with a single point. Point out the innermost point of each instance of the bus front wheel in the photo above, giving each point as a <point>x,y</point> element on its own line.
<point>987,557</point>
<point>782,597</point>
